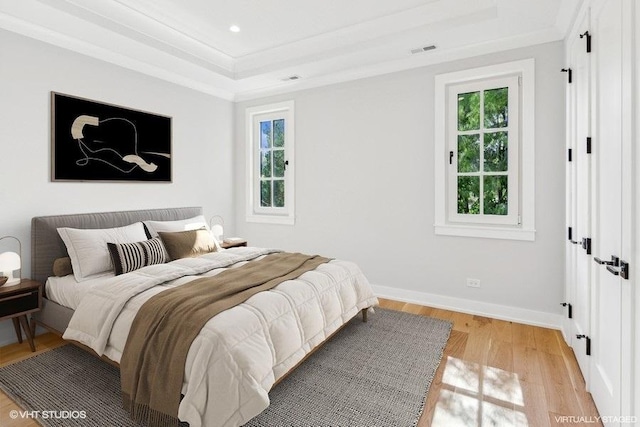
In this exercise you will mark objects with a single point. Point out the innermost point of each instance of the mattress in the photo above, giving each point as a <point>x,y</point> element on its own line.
<point>67,292</point>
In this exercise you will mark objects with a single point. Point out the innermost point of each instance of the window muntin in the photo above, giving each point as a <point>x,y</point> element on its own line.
<point>483,137</point>
<point>272,163</point>
<point>523,228</point>
<point>270,152</point>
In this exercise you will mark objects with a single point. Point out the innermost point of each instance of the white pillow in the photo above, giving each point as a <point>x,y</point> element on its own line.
<point>88,250</point>
<point>195,223</point>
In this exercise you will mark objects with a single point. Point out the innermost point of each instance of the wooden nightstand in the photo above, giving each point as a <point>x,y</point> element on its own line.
<point>233,244</point>
<point>18,301</point>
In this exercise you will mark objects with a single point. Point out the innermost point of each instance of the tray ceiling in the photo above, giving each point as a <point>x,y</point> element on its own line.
<point>321,41</point>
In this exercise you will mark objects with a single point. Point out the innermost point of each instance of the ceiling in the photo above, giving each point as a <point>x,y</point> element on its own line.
<point>189,42</point>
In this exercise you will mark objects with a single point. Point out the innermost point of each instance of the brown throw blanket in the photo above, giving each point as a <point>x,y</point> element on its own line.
<point>154,357</point>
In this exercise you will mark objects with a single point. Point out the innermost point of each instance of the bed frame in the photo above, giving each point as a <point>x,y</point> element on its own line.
<point>47,246</point>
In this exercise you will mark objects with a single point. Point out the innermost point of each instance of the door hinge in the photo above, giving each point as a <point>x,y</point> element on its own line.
<point>586,244</point>
<point>569,74</point>
<point>588,349</point>
<point>588,145</point>
<point>569,233</point>
<point>588,36</point>
<point>570,154</point>
<point>569,309</point>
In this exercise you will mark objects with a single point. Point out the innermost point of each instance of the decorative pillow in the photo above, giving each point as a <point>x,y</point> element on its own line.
<point>88,248</point>
<point>186,244</point>
<point>195,223</point>
<point>62,267</point>
<point>128,257</point>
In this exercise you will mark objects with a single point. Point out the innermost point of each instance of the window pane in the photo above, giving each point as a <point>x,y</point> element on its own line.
<point>469,153</point>
<point>278,133</point>
<point>265,193</point>
<point>278,193</point>
<point>278,163</point>
<point>265,134</point>
<point>496,108</point>
<point>496,152</point>
<point>265,163</point>
<point>469,111</point>
<point>496,195</point>
<point>468,194</point>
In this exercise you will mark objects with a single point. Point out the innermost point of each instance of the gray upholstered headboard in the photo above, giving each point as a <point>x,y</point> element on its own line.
<point>46,244</point>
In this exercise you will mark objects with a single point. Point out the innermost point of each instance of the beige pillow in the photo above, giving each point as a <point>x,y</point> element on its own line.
<point>62,267</point>
<point>186,244</point>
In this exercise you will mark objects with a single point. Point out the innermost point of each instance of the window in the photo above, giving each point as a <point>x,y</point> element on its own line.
<point>270,163</point>
<point>484,152</point>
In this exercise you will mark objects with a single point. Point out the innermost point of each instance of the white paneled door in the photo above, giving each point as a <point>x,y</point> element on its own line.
<point>601,117</point>
<point>608,325</point>
<point>581,199</point>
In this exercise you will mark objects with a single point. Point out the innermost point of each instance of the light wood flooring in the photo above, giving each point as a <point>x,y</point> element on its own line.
<point>493,373</point>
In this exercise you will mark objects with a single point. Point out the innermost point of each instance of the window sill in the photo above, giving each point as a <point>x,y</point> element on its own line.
<point>272,219</point>
<point>485,232</point>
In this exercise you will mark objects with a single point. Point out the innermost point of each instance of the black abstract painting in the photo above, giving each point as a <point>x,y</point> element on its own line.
<point>92,141</point>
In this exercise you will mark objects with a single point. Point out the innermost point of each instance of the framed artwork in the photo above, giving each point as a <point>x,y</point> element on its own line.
<point>93,141</point>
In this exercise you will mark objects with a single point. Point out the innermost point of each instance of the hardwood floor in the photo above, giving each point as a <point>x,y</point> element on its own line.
<point>493,373</point>
<point>497,373</point>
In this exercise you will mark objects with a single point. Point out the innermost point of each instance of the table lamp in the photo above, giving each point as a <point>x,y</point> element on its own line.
<point>216,223</point>
<point>9,262</point>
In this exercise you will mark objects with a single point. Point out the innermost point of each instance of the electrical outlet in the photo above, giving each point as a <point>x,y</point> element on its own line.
<point>473,283</point>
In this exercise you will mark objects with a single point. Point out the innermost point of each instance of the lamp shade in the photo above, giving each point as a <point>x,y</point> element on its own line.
<point>216,224</point>
<point>10,261</point>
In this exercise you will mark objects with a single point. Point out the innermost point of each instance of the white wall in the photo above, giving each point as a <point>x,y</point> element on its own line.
<point>635,277</point>
<point>30,70</point>
<point>365,191</point>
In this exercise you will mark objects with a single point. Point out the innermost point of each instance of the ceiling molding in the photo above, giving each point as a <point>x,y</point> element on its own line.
<point>118,18</point>
<point>407,63</point>
<point>16,25</point>
<point>140,36</point>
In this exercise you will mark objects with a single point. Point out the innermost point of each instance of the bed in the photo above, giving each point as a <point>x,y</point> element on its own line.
<point>239,354</point>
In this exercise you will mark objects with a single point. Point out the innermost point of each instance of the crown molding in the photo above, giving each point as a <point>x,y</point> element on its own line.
<point>224,90</point>
<point>406,63</point>
<point>129,38</point>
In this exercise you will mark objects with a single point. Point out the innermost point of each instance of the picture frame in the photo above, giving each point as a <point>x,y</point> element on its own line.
<point>100,142</point>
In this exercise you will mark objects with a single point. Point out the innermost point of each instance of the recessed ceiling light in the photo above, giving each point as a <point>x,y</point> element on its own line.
<point>234,29</point>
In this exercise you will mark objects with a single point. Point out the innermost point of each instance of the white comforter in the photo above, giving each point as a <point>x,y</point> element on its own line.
<point>241,352</point>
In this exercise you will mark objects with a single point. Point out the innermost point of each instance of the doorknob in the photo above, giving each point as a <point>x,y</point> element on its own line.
<point>615,261</point>
<point>613,270</point>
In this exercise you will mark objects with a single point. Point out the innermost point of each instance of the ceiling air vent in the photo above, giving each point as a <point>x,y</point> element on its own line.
<point>291,78</point>
<point>422,49</point>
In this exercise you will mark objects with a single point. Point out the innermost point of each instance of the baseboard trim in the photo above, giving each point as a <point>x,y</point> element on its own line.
<point>496,311</point>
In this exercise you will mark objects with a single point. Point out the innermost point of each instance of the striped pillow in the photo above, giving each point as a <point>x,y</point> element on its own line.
<point>128,257</point>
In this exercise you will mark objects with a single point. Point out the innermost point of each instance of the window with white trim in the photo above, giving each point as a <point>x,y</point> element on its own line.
<point>484,152</point>
<point>270,139</point>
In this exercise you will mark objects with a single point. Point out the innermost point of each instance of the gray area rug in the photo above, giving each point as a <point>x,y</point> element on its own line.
<point>369,374</point>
